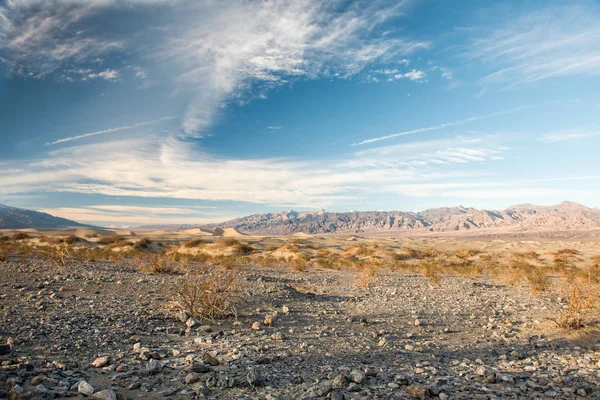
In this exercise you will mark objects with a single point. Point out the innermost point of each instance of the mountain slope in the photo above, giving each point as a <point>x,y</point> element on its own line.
<point>21,218</point>
<point>566,215</point>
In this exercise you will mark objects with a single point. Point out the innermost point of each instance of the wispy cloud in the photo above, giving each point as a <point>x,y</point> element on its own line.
<point>562,136</point>
<point>111,130</point>
<point>169,168</point>
<point>547,43</point>
<point>445,125</point>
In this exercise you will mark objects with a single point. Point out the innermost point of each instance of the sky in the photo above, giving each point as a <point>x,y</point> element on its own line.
<point>133,112</point>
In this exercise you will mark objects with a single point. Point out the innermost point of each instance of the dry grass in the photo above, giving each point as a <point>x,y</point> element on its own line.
<point>108,240</point>
<point>365,274</point>
<point>60,256</point>
<point>196,242</point>
<point>210,293</point>
<point>21,236</point>
<point>581,310</point>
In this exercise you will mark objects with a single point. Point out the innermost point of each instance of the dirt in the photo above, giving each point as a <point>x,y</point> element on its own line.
<point>401,338</point>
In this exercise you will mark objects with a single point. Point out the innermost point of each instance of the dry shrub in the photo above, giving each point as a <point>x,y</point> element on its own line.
<point>581,310</point>
<point>366,273</point>
<point>142,244</point>
<point>538,279</point>
<point>406,254</point>
<point>60,256</point>
<point>517,256</point>
<point>4,238</point>
<point>465,253</point>
<point>91,235</point>
<point>106,240</point>
<point>430,270</point>
<point>358,250</point>
<point>196,242</point>
<point>229,242</point>
<point>210,293</point>
<point>265,261</point>
<point>324,263</point>
<point>298,264</point>
<point>158,263</point>
<point>593,272</point>
<point>20,236</point>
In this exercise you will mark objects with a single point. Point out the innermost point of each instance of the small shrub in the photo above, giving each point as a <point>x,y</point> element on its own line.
<point>142,244</point>
<point>580,311</point>
<point>431,270</point>
<point>538,279</point>
<point>298,264</point>
<point>110,239</point>
<point>196,242</point>
<point>365,274</point>
<point>211,293</point>
<point>229,242</point>
<point>21,236</point>
<point>60,256</point>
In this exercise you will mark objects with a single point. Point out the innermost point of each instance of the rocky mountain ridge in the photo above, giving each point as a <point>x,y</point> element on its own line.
<point>562,216</point>
<point>21,218</point>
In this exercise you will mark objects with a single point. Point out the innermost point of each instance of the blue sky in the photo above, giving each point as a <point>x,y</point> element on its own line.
<point>151,111</point>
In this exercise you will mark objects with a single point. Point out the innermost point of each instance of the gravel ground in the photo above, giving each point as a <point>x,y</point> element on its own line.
<point>109,332</point>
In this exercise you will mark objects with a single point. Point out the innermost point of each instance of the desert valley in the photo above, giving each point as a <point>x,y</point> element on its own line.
<point>461,305</point>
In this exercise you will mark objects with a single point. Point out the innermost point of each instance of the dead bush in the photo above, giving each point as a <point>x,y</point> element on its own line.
<point>20,236</point>
<point>581,309</point>
<point>60,256</point>
<point>365,274</point>
<point>538,279</point>
<point>142,244</point>
<point>196,242</point>
<point>106,240</point>
<point>430,269</point>
<point>298,264</point>
<point>210,293</point>
<point>158,263</point>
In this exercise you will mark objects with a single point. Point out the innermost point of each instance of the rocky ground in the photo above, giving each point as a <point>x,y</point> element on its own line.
<point>109,332</point>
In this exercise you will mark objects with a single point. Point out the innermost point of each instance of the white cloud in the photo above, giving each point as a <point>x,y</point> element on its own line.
<point>274,127</point>
<point>445,125</point>
<point>547,43</point>
<point>221,52</point>
<point>414,75</point>
<point>562,136</point>
<point>111,130</point>
<point>170,168</point>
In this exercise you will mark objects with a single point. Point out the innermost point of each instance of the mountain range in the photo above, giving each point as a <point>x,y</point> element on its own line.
<point>525,217</point>
<point>20,218</point>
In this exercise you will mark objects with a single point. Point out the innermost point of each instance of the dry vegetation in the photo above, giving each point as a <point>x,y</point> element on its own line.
<point>209,267</point>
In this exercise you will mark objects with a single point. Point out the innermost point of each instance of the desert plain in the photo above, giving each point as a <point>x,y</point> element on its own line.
<point>120,314</point>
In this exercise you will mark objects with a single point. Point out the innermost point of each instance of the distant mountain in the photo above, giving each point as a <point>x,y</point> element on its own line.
<point>21,218</point>
<point>563,216</point>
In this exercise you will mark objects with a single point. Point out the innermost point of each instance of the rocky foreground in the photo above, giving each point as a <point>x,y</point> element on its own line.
<point>108,332</point>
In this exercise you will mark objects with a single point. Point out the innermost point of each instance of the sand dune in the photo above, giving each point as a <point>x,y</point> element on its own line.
<point>195,231</point>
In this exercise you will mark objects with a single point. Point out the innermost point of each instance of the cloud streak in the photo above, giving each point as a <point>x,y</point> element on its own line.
<point>111,130</point>
<point>549,43</point>
<point>446,125</point>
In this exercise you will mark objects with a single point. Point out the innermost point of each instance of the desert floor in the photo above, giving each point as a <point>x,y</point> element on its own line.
<point>302,331</point>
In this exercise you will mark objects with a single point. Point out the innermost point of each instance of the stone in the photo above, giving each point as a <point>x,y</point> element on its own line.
<point>108,394</point>
<point>192,322</point>
<point>269,320</point>
<point>320,389</point>
<point>254,378</point>
<point>443,396</point>
<point>417,391</point>
<point>357,376</point>
<point>278,336</point>
<point>183,316</point>
<point>256,326</point>
<point>4,349</point>
<point>154,367</point>
<point>200,368</point>
<point>297,380</point>
<point>85,388</point>
<point>101,362</point>
<point>210,360</point>
<point>339,381</point>
<point>192,378</point>
<point>285,310</point>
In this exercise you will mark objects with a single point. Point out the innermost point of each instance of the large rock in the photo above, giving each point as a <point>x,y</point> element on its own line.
<point>85,388</point>
<point>105,395</point>
<point>101,362</point>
